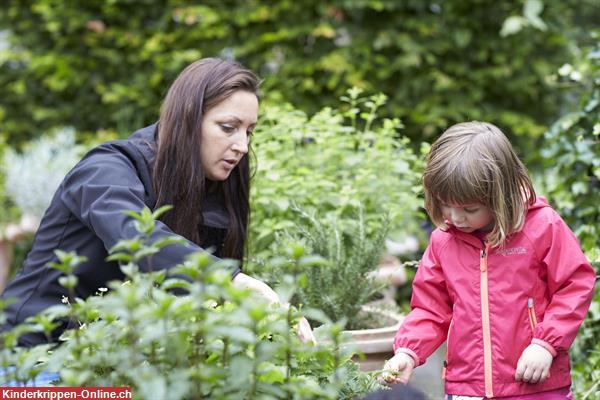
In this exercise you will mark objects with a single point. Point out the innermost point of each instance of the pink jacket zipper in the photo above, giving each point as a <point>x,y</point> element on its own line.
<point>485,321</point>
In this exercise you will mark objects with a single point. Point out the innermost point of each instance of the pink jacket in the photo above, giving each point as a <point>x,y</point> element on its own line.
<point>491,303</point>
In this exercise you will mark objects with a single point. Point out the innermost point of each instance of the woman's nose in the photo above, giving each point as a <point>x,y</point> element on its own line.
<point>240,143</point>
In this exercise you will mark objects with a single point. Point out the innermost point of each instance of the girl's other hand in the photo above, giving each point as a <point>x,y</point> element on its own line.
<point>398,369</point>
<point>534,364</point>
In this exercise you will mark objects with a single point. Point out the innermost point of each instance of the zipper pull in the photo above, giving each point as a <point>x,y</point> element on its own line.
<point>483,262</point>
<point>530,302</point>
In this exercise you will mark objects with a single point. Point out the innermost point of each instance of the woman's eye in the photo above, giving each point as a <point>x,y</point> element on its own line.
<point>471,210</point>
<point>228,128</point>
<point>249,133</point>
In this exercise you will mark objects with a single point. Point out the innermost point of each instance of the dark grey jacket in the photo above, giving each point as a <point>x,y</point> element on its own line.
<point>86,216</point>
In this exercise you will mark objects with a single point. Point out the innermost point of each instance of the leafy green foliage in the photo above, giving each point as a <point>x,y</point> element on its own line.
<point>438,62</point>
<point>350,255</point>
<point>572,182</point>
<point>9,212</point>
<point>217,341</point>
<point>335,162</point>
<point>572,152</point>
<point>586,350</point>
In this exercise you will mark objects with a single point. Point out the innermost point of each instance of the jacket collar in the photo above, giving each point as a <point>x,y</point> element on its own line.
<point>145,141</point>
<point>468,238</point>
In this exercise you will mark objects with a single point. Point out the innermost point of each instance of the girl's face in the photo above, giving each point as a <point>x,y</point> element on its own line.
<point>226,130</point>
<point>468,217</point>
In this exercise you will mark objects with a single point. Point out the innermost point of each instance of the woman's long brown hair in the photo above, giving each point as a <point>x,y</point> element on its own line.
<point>179,179</point>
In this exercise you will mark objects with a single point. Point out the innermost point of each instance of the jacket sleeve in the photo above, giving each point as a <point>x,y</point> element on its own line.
<point>425,328</point>
<point>571,281</point>
<point>103,185</point>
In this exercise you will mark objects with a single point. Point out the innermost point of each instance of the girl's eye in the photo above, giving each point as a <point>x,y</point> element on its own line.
<point>249,133</point>
<point>471,210</point>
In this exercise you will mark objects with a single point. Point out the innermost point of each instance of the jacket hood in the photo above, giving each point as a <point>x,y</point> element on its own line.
<point>540,202</point>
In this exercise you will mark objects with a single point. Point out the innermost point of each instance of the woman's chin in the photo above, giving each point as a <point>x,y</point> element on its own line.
<point>219,177</point>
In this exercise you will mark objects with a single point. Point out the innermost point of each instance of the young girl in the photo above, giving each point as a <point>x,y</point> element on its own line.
<point>503,279</point>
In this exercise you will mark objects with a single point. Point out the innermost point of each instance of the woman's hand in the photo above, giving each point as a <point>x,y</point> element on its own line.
<point>242,280</point>
<point>398,369</point>
<point>534,364</point>
<point>305,332</point>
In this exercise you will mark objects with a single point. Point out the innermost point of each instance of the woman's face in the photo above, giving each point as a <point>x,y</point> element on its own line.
<point>226,130</point>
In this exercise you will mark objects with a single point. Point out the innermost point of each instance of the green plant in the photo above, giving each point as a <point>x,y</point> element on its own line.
<point>9,212</point>
<point>333,162</point>
<point>586,349</point>
<point>216,341</point>
<point>572,150</point>
<point>350,256</point>
<point>571,180</point>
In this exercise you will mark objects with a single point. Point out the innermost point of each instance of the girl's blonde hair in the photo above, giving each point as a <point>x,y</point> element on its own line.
<point>473,162</point>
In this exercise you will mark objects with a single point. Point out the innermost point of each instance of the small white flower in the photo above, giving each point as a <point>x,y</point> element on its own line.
<point>575,76</point>
<point>565,70</point>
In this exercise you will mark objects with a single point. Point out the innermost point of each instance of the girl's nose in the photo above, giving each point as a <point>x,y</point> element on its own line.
<point>457,216</point>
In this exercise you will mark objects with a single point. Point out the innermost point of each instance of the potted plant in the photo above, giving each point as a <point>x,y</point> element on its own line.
<point>359,177</point>
<point>345,283</point>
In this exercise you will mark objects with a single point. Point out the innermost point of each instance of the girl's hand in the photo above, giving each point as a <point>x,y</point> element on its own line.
<point>242,280</point>
<point>398,369</point>
<point>534,364</point>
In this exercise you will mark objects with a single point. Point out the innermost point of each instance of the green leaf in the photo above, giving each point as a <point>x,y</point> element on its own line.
<point>162,210</point>
<point>69,282</point>
<point>512,25</point>
<point>272,374</point>
<point>532,10</point>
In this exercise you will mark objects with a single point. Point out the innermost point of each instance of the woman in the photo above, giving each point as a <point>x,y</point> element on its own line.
<point>195,158</point>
